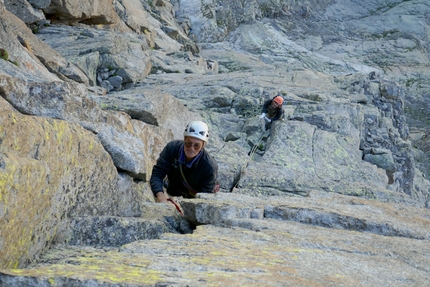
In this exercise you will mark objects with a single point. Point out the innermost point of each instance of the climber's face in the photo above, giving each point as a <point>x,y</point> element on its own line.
<point>275,104</point>
<point>192,147</point>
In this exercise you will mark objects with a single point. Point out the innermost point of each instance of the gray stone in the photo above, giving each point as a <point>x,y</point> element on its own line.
<point>39,4</point>
<point>23,10</point>
<point>124,75</point>
<point>88,63</point>
<point>107,85</point>
<point>96,12</point>
<point>384,161</point>
<point>304,208</point>
<point>318,229</point>
<point>115,81</point>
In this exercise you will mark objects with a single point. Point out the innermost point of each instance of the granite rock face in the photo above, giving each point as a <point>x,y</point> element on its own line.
<point>48,167</point>
<point>323,239</point>
<point>336,193</point>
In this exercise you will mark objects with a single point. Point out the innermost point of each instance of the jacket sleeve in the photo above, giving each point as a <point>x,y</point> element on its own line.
<point>211,178</point>
<point>265,105</point>
<point>161,168</point>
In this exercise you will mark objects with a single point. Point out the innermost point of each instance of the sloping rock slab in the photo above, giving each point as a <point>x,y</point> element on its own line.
<point>329,210</point>
<point>116,231</point>
<point>279,254</point>
<point>48,169</point>
<point>247,249</point>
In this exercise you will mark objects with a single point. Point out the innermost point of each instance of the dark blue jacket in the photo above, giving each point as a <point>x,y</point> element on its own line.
<point>201,176</point>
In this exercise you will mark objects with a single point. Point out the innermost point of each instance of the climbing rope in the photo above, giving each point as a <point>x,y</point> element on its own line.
<point>254,148</point>
<point>250,157</point>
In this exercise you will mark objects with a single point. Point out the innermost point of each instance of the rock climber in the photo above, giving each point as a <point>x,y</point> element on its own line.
<point>272,110</point>
<point>184,167</point>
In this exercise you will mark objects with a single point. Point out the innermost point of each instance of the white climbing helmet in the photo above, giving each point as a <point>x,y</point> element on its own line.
<point>197,129</point>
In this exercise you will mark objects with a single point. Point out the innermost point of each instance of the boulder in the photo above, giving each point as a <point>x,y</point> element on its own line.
<point>96,12</point>
<point>48,167</point>
<point>25,11</point>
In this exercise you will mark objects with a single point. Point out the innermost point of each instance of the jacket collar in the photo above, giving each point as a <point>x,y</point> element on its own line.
<point>182,159</point>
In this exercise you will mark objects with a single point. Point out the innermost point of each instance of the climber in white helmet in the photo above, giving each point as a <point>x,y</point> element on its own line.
<point>184,167</point>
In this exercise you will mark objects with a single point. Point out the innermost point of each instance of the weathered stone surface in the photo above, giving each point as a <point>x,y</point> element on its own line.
<point>39,4</point>
<point>48,166</point>
<point>176,30</point>
<point>32,55</point>
<point>96,12</point>
<point>122,50</point>
<point>124,140</point>
<point>423,145</point>
<point>19,55</point>
<point>317,208</point>
<point>54,100</point>
<point>115,231</point>
<point>135,16</point>
<point>100,49</point>
<point>88,63</point>
<point>179,62</point>
<point>133,194</point>
<point>345,118</point>
<point>390,36</point>
<point>345,130</point>
<point>134,151</point>
<point>275,241</point>
<point>23,10</point>
<point>151,106</point>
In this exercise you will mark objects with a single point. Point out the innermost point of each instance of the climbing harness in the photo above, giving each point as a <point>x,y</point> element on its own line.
<point>185,183</point>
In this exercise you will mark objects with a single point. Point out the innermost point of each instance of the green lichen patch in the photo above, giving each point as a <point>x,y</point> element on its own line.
<point>4,54</point>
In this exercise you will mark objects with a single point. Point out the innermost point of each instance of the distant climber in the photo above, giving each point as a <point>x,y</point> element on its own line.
<point>272,110</point>
<point>185,168</point>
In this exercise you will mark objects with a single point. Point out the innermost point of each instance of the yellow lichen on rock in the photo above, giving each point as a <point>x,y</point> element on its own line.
<point>45,163</point>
